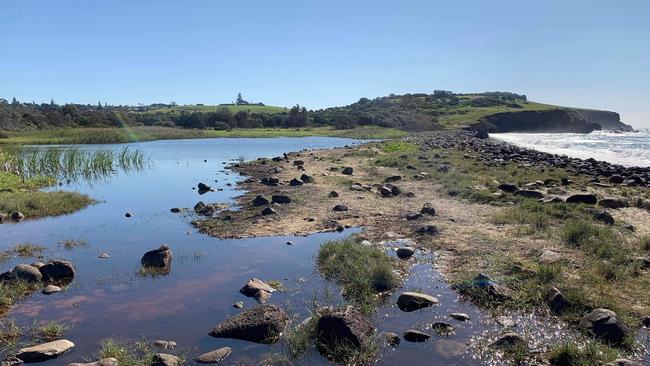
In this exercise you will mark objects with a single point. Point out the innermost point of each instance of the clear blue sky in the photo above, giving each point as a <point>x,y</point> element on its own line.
<point>587,53</point>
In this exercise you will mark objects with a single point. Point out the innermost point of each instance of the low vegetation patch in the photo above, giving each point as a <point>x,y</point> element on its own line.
<point>27,250</point>
<point>70,244</point>
<point>12,291</point>
<point>48,332</point>
<point>40,204</point>
<point>135,354</point>
<point>362,271</point>
<point>572,354</point>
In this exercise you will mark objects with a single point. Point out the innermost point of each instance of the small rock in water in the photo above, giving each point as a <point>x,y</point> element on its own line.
<point>104,256</point>
<point>103,362</point>
<point>50,289</point>
<point>259,324</point>
<point>175,209</point>
<point>413,335</point>
<point>289,243</point>
<point>461,317</point>
<point>163,359</point>
<point>215,356</point>
<point>508,341</point>
<point>238,305</point>
<point>165,344</point>
<point>17,216</point>
<point>443,328</point>
<point>392,339</point>
<point>27,273</point>
<point>258,289</point>
<point>411,301</point>
<point>128,214</point>
<point>45,351</point>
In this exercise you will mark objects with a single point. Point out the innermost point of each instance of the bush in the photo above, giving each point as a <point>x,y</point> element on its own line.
<point>3,135</point>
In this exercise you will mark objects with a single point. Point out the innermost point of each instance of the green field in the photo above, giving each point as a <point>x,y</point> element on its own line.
<point>134,134</point>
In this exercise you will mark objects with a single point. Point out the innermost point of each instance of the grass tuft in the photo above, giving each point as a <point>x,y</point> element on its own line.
<point>571,354</point>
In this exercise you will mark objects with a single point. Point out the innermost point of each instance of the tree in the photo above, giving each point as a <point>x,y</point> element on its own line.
<point>99,104</point>
<point>52,101</point>
<point>14,101</point>
<point>240,100</point>
<point>297,117</point>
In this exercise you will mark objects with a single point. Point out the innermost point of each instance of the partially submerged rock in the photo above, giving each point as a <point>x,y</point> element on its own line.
<point>413,335</point>
<point>45,351</point>
<point>461,317</point>
<point>51,289</point>
<point>27,273</point>
<point>103,362</point>
<point>163,359</point>
<point>392,339</point>
<point>58,271</point>
<point>411,301</point>
<point>258,289</point>
<point>215,356</point>
<point>345,326</point>
<point>259,324</point>
<point>157,258</point>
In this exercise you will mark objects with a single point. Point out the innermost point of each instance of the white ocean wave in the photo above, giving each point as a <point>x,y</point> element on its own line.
<point>628,148</point>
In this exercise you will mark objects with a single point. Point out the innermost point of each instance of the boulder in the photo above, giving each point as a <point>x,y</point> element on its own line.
<point>344,326</point>
<point>258,289</point>
<point>604,217</point>
<point>103,362</point>
<point>45,351</point>
<point>385,191</point>
<point>347,171</point>
<point>428,209</point>
<point>414,216</point>
<point>549,256</point>
<point>51,289</point>
<point>393,178</point>
<point>392,339</point>
<point>163,359</point>
<point>203,187</point>
<point>508,187</point>
<point>27,273</point>
<point>405,252</point>
<point>157,258</point>
<point>17,216</point>
<point>270,181</point>
<point>268,211</point>
<point>605,325</point>
<point>215,356</point>
<point>260,201</point>
<point>280,199</point>
<point>461,317</point>
<point>413,335</point>
<point>306,178</point>
<point>556,301</point>
<point>508,341</point>
<point>589,199</point>
<point>411,301</point>
<point>295,182</point>
<point>340,208</point>
<point>333,194</point>
<point>259,324</point>
<point>58,271</point>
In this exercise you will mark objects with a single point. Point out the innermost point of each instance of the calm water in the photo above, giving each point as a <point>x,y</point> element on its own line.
<point>628,148</point>
<point>108,299</point>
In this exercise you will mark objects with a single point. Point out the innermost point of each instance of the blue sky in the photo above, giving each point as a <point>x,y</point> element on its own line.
<point>579,53</point>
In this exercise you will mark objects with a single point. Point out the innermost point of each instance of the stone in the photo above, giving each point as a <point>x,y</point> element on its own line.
<point>605,217</point>
<point>508,341</point>
<point>347,171</point>
<point>549,256</point>
<point>413,335</point>
<point>385,191</point>
<point>280,199</point>
<point>260,201</point>
<point>333,194</point>
<point>27,273</point>
<point>203,187</point>
<point>128,214</point>
<point>200,207</point>
<point>605,325</point>
<point>646,322</point>
<point>270,181</point>
<point>508,187</point>
<point>103,362</point>
<point>428,209</point>
<point>529,193</point>
<point>215,356</point>
<point>268,211</point>
<point>44,351</point>
<point>461,317</point>
<point>392,339</point>
<point>259,324</point>
<point>51,289</point>
<point>163,359</point>
<point>58,271</point>
<point>589,199</point>
<point>295,182</point>
<point>258,289</point>
<point>556,302</point>
<point>238,305</point>
<point>164,344</point>
<point>414,216</point>
<point>104,256</point>
<point>175,210</point>
<point>405,252</point>
<point>157,258</point>
<point>495,290</point>
<point>411,301</point>
<point>428,230</point>
<point>340,208</point>
<point>17,216</point>
<point>344,326</point>
<point>443,328</point>
<point>306,178</point>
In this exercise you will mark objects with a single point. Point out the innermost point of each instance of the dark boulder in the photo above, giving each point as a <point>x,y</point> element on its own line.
<point>157,258</point>
<point>259,324</point>
<point>393,178</point>
<point>508,187</point>
<point>428,209</point>
<point>605,325</point>
<point>280,199</point>
<point>345,326</point>
<point>414,216</point>
<point>306,178</point>
<point>347,171</point>
<point>413,335</point>
<point>589,199</point>
<point>268,211</point>
<point>270,181</point>
<point>203,187</point>
<point>333,194</point>
<point>17,216</point>
<point>428,230</point>
<point>613,203</point>
<point>340,208</point>
<point>58,271</point>
<point>295,182</point>
<point>556,301</point>
<point>260,201</point>
<point>605,217</point>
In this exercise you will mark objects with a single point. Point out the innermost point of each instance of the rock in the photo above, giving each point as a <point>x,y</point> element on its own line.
<point>605,217</point>
<point>392,339</point>
<point>589,199</point>
<point>495,290</point>
<point>605,325</point>
<point>103,362</point>
<point>280,199</point>
<point>345,326</point>
<point>51,289</point>
<point>45,351</point>
<point>27,273</point>
<point>163,359</point>
<point>347,171</point>
<point>413,335</point>
<point>616,179</point>
<point>508,187</point>
<point>104,256</point>
<point>3,218</point>
<point>385,191</point>
<point>613,203</point>
<point>443,328</point>
<point>357,187</point>
<point>215,356</point>
<point>393,178</point>
<point>461,317</point>
<point>508,341</point>
<point>529,193</point>
<point>549,256</point>
<point>128,214</point>
<point>333,194</point>
<point>296,182</point>
<point>260,324</point>
<point>17,216</point>
<point>203,187</point>
<point>164,344</point>
<point>428,209</point>
<point>11,361</point>
<point>298,163</point>
<point>268,211</point>
<point>260,201</point>
<point>340,208</point>
<point>428,230</point>
<point>556,301</point>
<point>175,210</point>
<point>646,322</point>
<point>270,181</point>
<point>37,264</point>
<point>414,216</point>
<point>158,258</point>
<point>238,305</point>
<point>506,322</point>
<point>306,178</point>
<point>200,207</point>
<point>405,252</point>
<point>623,362</point>
<point>258,289</point>
<point>411,301</point>
<point>58,271</point>
<point>551,199</point>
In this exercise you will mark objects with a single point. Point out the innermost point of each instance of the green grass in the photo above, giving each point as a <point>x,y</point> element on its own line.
<point>572,354</point>
<point>12,291</point>
<point>134,354</point>
<point>70,244</point>
<point>134,134</point>
<point>48,332</point>
<point>27,250</point>
<point>41,204</point>
<point>399,147</point>
<point>362,271</point>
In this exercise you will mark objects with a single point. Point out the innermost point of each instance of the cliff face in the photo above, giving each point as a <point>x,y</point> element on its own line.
<point>554,121</point>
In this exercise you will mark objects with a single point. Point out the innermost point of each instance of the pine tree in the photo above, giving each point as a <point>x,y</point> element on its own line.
<point>14,101</point>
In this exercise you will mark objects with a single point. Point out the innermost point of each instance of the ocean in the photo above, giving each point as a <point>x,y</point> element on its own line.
<point>627,148</point>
